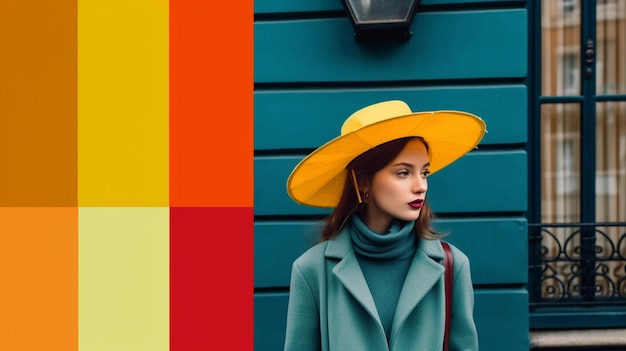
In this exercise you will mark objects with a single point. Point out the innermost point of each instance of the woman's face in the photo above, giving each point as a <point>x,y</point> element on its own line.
<point>399,189</point>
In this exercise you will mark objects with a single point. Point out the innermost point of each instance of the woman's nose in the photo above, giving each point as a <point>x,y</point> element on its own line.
<point>420,185</point>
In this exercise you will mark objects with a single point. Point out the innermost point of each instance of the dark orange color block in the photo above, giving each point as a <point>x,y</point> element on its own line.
<point>211,99</point>
<point>211,279</point>
<point>38,279</point>
<point>38,103</point>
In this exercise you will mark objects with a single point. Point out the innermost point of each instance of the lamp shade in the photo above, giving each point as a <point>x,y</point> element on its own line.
<point>381,19</point>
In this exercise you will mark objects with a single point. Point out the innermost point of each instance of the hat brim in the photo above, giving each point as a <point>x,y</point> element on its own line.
<point>318,179</point>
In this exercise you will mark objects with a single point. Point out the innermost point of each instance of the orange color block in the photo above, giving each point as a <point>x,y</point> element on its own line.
<point>38,279</point>
<point>211,99</point>
<point>38,103</point>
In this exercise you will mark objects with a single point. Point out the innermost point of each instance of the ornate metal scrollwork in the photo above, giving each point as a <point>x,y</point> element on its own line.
<point>573,273</point>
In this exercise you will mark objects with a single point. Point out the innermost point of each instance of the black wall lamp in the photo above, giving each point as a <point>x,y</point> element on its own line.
<point>381,20</point>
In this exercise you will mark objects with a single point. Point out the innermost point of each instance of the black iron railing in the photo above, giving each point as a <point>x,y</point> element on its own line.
<point>577,264</point>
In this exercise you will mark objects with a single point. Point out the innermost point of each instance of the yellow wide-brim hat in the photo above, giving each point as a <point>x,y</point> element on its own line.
<point>318,179</point>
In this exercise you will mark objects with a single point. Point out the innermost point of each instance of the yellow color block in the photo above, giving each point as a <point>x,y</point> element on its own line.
<point>123,279</point>
<point>123,91</point>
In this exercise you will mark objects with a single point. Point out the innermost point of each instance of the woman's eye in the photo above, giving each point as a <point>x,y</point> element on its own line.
<point>403,173</point>
<point>425,174</point>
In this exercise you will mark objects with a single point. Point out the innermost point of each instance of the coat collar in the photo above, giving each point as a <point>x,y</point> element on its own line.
<point>425,270</point>
<point>349,272</point>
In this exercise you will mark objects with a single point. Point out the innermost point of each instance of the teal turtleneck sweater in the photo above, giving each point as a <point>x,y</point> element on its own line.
<point>384,260</point>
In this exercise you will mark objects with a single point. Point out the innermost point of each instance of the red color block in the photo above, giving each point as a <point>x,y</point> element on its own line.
<point>211,279</point>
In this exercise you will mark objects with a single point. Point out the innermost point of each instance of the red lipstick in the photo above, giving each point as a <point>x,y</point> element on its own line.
<point>417,204</point>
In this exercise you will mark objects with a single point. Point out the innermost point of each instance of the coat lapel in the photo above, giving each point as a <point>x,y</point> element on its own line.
<point>349,272</point>
<point>424,272</point>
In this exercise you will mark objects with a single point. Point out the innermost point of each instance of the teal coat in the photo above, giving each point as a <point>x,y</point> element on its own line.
<point>331,308</point>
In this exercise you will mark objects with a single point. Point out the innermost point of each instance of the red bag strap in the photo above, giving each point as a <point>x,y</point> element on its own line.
<point>448,263</point>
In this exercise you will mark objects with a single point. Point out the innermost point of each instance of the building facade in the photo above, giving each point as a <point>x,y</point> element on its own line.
<point>539,207</point>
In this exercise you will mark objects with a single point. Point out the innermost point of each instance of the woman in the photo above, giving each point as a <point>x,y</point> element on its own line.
<point>376,281</point>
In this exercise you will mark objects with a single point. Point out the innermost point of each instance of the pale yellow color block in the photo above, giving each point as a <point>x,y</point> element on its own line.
<point>123,103</point>
<point>123,279</point>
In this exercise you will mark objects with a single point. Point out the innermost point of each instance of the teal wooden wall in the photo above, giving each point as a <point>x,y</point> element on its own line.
<point>310,75</point>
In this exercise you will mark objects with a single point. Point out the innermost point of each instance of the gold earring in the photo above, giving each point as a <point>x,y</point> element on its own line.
<point>356,187</point>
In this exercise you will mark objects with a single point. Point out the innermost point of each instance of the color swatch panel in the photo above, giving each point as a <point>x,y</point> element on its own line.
<point>125,175</point>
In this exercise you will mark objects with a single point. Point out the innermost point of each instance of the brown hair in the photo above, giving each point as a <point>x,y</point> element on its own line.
<point>364,167</point>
